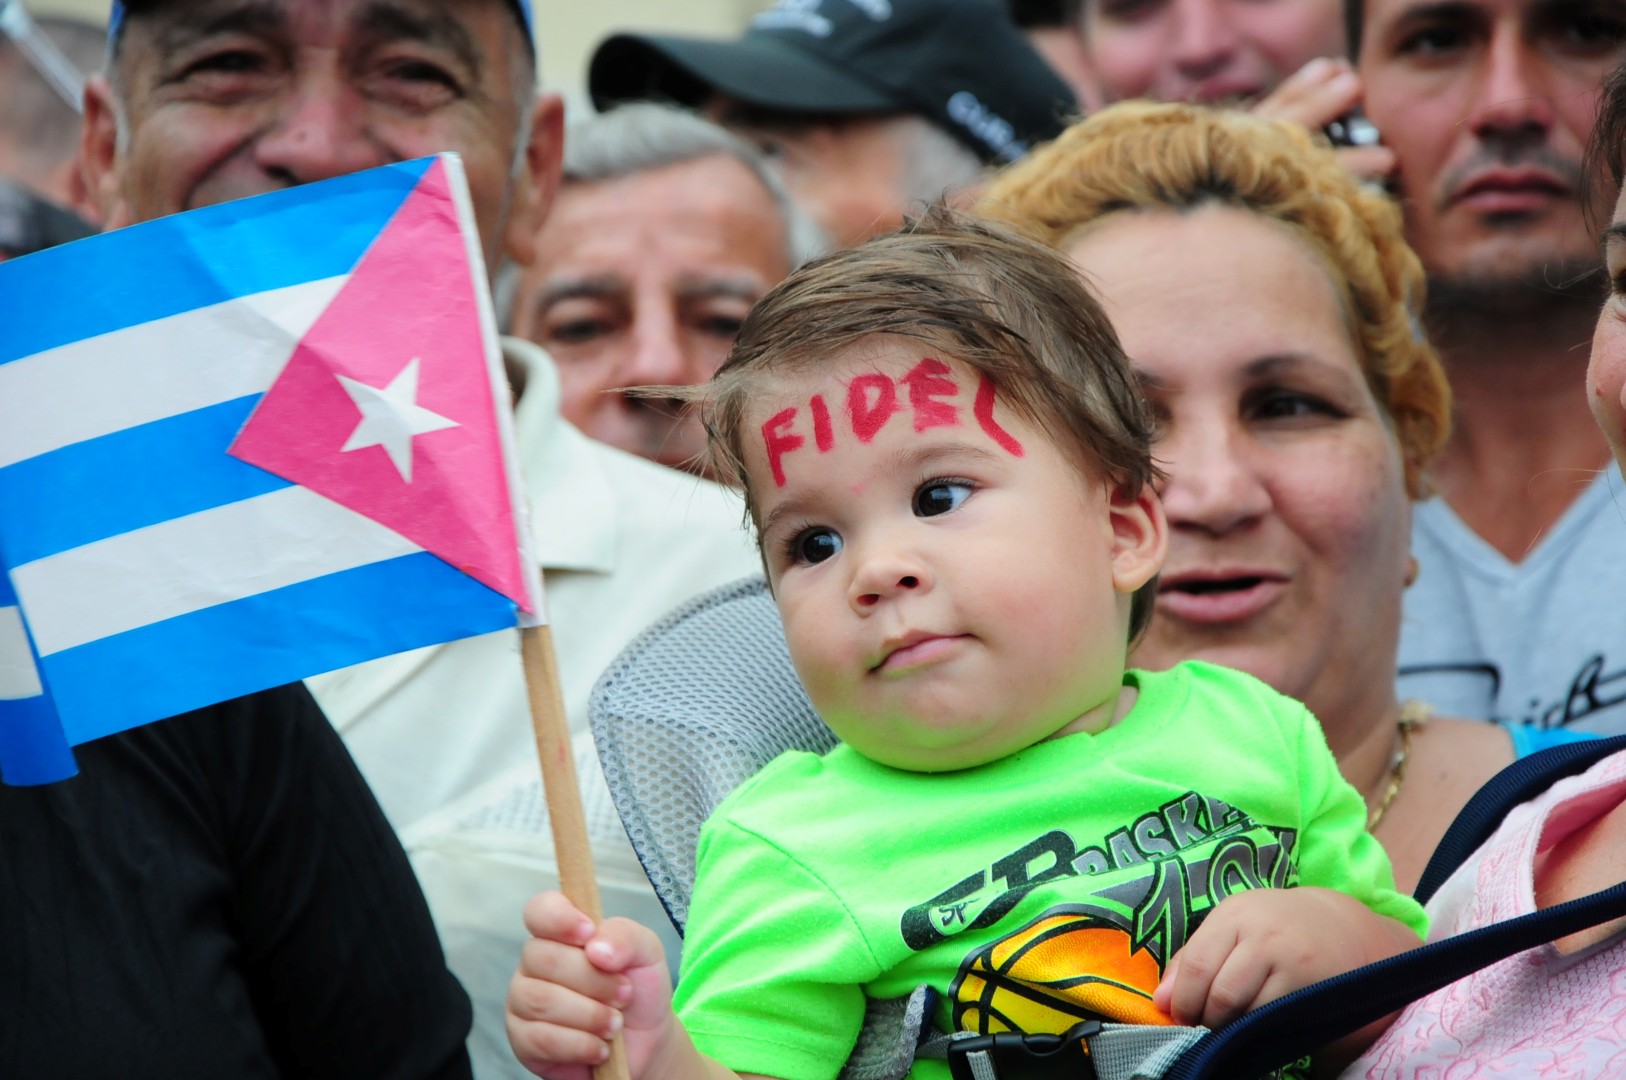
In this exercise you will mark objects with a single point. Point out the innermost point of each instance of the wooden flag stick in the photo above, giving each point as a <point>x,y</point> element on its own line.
<point>571,849</point>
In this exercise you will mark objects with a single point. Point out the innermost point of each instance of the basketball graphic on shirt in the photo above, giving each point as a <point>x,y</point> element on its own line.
<point>1064,967</point>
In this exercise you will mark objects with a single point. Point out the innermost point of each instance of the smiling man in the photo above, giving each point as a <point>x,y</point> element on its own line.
<point>218,100</point>
<point>208,100</point>
<point>1488,105</point>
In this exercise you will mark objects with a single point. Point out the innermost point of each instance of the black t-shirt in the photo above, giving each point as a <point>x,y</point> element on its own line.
<point>218,896</point>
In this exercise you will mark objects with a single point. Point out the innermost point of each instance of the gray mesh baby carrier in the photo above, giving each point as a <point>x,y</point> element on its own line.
<point>707,696</point>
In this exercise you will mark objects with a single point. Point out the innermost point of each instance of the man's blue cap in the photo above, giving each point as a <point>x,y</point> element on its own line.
<point>115,18</point>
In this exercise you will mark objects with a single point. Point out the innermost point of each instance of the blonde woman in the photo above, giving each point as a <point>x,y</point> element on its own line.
<point>1267,300</point>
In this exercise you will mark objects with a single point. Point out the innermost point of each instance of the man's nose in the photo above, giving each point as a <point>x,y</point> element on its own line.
<point>661,353</point>
<point>1213,485</point>
<point>1513,97</point>
<point>321,131</point>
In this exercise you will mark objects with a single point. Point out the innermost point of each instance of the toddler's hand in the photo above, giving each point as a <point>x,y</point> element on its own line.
<point>1256,946</point>
<point>578,985</point>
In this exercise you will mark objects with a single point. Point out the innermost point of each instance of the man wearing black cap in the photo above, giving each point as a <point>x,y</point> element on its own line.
<point>871,105</point>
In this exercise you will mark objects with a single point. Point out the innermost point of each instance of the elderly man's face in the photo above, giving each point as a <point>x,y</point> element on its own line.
<point>848,172</point>
<point>227,98</point>
<point>1488,105</point>
<point>644,280</point>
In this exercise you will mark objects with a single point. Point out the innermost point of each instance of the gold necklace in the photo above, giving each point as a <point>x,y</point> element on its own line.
<point>1413,715</point>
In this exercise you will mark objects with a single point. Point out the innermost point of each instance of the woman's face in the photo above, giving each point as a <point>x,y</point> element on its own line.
<point>1288,516</point>
<point>1606,375</point>
<point>1207,50</point>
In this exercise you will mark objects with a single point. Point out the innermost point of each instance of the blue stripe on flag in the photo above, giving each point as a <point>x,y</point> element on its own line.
<point>127,480</point>
<point>209,256</point>
<point>33,749</point>
<point>262,641</point>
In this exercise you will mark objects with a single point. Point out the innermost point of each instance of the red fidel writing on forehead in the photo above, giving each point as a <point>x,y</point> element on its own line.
<point>868,416</point>
<point>931,379</point>
<point>872,400</point>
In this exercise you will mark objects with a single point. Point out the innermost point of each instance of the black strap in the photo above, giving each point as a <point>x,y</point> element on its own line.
<point>1519,782</point>
<point>1011,1055</point>
<point>1301,1022</point>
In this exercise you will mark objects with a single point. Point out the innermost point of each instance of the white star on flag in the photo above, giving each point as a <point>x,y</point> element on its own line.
<point>391,417</point>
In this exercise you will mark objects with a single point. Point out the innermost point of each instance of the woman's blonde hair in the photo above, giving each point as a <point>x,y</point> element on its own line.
<point>1145,156</point>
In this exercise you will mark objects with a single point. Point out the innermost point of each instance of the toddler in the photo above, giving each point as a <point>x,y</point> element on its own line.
<point>949,469</point>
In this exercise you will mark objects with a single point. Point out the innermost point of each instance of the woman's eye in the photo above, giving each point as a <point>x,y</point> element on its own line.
<point>815,545</point>
<point>1291,406</point>
<point>941,496</point>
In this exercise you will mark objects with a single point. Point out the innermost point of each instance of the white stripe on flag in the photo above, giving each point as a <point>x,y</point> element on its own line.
<point>155,370</point>
<point>18,677</point>
<point>195,562</point>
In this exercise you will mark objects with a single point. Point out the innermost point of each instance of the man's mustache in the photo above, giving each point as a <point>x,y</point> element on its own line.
<point>1565,171</point>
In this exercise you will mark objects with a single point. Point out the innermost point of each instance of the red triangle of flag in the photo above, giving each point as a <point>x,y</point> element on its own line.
<point>386,405</point>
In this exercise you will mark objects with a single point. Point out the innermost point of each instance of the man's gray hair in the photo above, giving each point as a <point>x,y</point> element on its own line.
<point>641,136</point>
<point>935,163</point>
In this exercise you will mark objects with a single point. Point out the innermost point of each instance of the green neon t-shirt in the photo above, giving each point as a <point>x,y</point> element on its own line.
<point>1031,892</point>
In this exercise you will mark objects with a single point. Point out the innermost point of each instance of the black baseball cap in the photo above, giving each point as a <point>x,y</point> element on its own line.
<point>962,64</point>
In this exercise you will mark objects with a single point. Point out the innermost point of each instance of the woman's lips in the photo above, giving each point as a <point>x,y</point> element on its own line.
<point>1219,600</point>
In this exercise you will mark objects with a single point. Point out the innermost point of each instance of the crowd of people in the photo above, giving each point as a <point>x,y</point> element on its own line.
<point>888,279</point>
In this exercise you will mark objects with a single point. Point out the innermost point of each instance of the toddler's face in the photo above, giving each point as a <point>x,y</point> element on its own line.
<point>952,588</point>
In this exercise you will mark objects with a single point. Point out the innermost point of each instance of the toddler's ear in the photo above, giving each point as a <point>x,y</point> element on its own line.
<point>1140,536</point>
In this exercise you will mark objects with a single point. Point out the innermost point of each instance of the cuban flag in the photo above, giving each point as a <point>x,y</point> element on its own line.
<point>244,445</point>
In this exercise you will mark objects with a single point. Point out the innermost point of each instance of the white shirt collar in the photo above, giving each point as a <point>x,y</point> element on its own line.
<point>572,509</point>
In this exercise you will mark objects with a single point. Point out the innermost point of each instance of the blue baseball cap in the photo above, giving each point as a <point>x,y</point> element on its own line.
<point>115,19</point>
